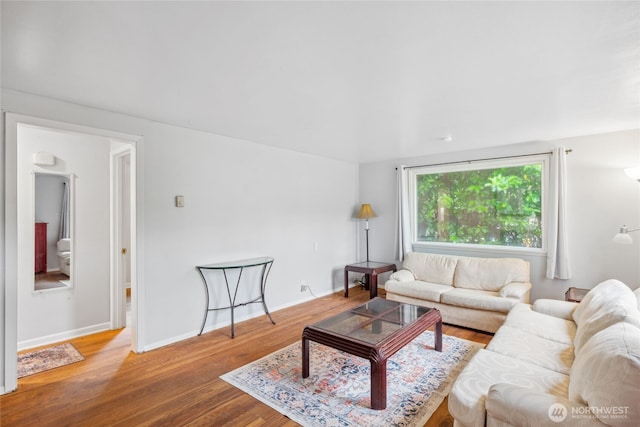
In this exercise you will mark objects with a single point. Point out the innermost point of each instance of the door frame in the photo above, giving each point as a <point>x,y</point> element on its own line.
<point>118,267</point>
<point>11,122</point>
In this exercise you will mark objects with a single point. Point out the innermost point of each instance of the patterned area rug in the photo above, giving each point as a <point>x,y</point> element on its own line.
<point>337,392</point>
<point>47,358</point>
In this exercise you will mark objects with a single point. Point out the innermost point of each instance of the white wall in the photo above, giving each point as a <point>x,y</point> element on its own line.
<point>242,200</point>
<point>601,199</point>
<point>86,305</point>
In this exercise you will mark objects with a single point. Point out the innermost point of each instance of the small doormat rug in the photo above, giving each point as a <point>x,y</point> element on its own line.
<point>337,391</point>
<point>47,358</point>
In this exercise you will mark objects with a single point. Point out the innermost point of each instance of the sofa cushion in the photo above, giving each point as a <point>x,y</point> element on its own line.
<point>490,274</point>
<point>517,290</point>
<point>606,373</point>
<point>417,289</point>
<point>609,302</point>
<point>511,405</point>
<point>533,349</point>
<point>468,394</point>
<point>552,328</point>
<point>402,276</point>
<point>555,308</point>
<point>431,268</point>
<point>481,300</point>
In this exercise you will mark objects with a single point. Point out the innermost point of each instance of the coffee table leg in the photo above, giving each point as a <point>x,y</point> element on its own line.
<point>379,384</point>
<point>305,358</point>
<point>438,336</point>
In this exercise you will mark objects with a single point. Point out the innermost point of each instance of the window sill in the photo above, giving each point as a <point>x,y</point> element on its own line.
<point>480,249</point>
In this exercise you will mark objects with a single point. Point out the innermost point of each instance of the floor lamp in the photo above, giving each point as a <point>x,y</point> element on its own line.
<point>365,213</point>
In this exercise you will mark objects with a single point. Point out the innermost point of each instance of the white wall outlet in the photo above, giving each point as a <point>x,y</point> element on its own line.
<point>180,201</point>
<point>303,286</point>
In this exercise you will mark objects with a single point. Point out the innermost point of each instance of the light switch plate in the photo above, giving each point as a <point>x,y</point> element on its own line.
<point>180,201</point>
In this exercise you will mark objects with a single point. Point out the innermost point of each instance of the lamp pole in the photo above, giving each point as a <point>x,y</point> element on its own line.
<point>365,213</point>
<point>366,228</point>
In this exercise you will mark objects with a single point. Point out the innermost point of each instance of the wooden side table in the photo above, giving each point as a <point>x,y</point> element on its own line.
<point>575,294</point>
<point>371,269</point>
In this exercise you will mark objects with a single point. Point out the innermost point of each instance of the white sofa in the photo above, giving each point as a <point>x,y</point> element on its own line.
<point>472,292</point>
<point>557,363</point>
<point>64,256</point>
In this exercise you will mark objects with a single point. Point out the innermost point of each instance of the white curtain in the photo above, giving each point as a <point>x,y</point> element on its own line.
<point>557,243</point>
<point>403,230</point>
<point>64,230</point>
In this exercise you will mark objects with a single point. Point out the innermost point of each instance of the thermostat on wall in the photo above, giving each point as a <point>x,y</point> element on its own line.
<point>180,201</point>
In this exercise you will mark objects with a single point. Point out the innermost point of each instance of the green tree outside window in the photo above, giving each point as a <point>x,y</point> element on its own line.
<point>501,206</point>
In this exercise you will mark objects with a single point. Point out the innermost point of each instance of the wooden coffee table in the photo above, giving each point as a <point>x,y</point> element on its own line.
<point>375,330</point>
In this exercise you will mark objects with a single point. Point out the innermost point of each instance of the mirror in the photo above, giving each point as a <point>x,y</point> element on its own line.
<point>53,245</point>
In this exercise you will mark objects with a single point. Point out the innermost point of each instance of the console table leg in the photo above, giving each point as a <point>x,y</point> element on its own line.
<point>263,285</point>
<point>266,310</point>
<point>233,332</point>
<point>232,301</point>
<point>206,307</point>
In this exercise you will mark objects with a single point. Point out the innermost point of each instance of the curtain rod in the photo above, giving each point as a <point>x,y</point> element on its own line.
<point>484,160</point>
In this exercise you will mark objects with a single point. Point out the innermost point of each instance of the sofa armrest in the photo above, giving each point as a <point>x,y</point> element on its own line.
<point>555,308</point>
<point>514,405</point>
<point>517,290</point>
<point>402,276</point>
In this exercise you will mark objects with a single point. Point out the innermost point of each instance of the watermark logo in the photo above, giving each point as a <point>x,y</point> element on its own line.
<point>557,412</point>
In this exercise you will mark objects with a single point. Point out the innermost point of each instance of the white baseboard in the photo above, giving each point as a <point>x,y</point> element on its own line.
<point>306,297</point>
<point>62,336</point>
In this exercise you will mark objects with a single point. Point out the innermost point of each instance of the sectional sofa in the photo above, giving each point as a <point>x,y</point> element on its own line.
<point>472,292</point>
<point>557,363</point>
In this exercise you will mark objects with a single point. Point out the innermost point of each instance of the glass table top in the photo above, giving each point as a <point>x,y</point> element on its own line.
<point>369,264</point>
<point>372,321</point>
<point>238,264</point>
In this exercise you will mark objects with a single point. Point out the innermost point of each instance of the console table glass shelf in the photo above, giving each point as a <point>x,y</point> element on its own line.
<point>264,262</point>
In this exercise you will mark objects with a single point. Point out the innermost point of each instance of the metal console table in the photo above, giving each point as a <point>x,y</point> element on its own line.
<point>264,262</point>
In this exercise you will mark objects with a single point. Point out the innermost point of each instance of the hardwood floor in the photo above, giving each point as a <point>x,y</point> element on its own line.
<point>177,384</point>
<point>51,280</point>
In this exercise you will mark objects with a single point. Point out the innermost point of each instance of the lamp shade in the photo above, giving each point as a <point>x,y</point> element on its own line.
<point>366,212</point>
<point>623,238</point>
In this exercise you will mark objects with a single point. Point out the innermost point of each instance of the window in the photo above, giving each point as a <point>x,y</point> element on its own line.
<point>497,203</point>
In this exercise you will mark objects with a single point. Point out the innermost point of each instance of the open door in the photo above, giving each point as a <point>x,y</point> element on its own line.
<point>121,233</point>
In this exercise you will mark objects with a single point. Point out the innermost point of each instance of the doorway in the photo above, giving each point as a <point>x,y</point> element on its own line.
<point>122,189</point>
<point>19,234</point>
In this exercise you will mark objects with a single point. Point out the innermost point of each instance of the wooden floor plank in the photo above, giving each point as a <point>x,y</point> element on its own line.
<point>178,384</point>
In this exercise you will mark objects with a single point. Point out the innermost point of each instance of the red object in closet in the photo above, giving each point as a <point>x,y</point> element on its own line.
<point>41,247</point>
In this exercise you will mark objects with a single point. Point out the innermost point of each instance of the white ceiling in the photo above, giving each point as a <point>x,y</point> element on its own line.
<point>359,81</point>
